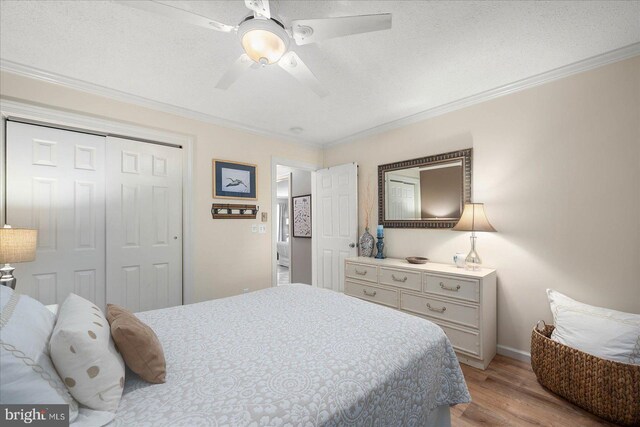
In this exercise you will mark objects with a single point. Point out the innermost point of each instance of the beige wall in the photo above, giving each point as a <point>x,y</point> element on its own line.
<point>558,167</point>
<point>227,256</point>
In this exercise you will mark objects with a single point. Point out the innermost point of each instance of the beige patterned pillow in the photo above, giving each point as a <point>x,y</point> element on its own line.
<point>85,356</point>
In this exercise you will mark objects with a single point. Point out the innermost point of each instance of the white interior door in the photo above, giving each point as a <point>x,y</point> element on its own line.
<point>337,222</point>
<point>55,183</point>
<point>144,210</point>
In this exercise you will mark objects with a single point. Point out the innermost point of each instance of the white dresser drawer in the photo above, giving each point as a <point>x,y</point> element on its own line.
<point>372,293</point>
<point>440,309</point>
<point>462,339</point>
<point>401,278</point>
<point>461,302</point>
<point>468,290</point>
<point>362,272</point>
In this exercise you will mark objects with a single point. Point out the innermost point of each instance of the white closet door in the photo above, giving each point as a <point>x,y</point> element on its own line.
<point>144,223</point>
<point>337,215</point>
<point>55,183</point>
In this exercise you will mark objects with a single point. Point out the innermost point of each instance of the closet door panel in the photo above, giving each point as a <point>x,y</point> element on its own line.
<point>144,223</point>
<point>56,184</point>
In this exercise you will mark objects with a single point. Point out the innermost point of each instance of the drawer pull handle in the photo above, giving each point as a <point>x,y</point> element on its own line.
<point>369,294</point>
<point>448,288</point>
<point>404,279</point>
<point>361,273</point>
<point>439,310</point>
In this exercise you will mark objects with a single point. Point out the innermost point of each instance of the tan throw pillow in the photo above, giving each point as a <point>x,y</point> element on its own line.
<point>85,356</point>
<point>138,344</point>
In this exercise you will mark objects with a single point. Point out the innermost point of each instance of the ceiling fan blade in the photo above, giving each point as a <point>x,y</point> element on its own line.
<point>177,14</point>
<point>292,64</point>
<point>307,31</point>
<point>261,7</point>
<point>242,64</point>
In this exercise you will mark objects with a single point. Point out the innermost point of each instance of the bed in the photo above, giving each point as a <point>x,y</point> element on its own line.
<point>295,355</point>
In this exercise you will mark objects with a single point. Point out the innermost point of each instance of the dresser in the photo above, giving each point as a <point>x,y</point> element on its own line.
<point>462,302</point>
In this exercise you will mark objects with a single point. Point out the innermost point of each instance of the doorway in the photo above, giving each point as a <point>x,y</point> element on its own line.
<point>294,224</point>
<point>292,253</point>
<point>333,196</point>
<point>283,233</point>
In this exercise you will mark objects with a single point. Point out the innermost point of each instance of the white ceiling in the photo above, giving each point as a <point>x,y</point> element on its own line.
<point>436,53</point>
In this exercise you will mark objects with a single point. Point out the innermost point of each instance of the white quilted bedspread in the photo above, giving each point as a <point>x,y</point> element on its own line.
<point>294,355</point>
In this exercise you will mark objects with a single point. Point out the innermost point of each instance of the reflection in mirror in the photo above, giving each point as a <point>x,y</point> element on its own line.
<point>430,192</point>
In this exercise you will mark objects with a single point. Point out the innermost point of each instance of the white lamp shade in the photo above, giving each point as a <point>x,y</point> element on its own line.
<point>473,219</point>
<point>263,45</point>
<point>263,40</point>
<point>17,245</point>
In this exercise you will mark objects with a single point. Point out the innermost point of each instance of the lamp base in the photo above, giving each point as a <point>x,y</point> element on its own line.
<point>473,261</point>
<point>6,276</point>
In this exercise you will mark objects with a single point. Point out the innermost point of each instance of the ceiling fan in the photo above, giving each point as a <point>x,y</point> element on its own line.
<point>266,40</point>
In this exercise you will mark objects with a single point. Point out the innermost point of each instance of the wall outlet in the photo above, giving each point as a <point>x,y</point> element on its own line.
<point>245,290</point>
<point>264,217</point>
<point>262,229</point>
<point>254,228</point>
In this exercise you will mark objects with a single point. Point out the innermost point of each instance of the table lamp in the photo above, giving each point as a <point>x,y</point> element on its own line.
<point>16,245</point>
<point>473,219</point>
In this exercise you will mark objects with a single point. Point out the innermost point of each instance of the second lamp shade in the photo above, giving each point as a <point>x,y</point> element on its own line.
<point>473,219</point>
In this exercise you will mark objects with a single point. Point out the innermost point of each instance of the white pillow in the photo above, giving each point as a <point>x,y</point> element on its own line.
<point>27,375</point>
<point>605,333</point>
<point>85,356</point>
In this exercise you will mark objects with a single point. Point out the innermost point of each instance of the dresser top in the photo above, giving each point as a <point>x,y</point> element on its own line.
<point>430,267</point>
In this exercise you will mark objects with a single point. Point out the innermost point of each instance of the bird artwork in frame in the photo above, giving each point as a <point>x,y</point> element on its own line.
<point>234,180</point>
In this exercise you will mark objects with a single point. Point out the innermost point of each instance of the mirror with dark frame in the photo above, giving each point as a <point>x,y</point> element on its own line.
<point>429,192</point>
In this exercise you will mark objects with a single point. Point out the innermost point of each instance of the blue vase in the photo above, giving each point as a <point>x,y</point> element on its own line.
<point>380,246</point>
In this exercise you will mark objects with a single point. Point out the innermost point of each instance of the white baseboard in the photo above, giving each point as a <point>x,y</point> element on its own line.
<point>513,353</point>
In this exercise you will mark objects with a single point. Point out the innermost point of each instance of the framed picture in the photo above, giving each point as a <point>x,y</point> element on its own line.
<point>234,180</point>
<point>301,216</point>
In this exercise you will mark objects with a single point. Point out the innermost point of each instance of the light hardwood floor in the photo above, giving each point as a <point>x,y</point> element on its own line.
<point>508,394</point>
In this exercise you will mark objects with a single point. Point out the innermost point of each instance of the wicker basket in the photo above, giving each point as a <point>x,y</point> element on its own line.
<point>608,389</point>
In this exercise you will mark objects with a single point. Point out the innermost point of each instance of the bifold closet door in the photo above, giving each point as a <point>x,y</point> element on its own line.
<point>56,184</point>
<point>144,224</point>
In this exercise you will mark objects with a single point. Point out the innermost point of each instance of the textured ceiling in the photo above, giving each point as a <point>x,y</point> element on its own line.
<point>436,53</point>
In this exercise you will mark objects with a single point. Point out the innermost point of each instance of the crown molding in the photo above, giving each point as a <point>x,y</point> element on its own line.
<point>616,55</point>
<point>95,89</point>
<point>529,82</point>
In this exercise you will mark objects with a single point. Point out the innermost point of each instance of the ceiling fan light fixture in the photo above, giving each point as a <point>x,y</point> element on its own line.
<point>263,40</point>
<point>264,47</point>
